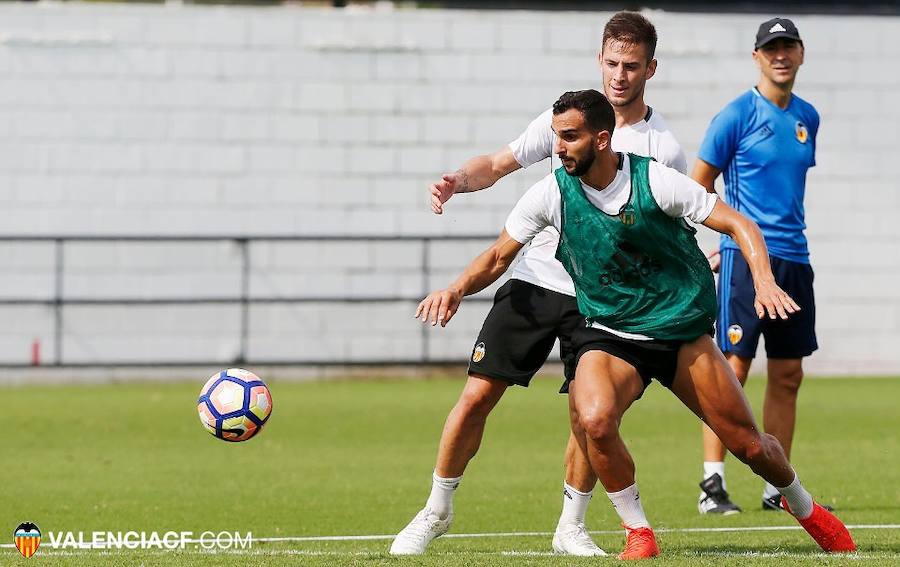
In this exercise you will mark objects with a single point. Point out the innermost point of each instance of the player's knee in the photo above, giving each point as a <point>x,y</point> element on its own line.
<point>600,426</point>
<point>757,449</point>
<point>749,447</point>
<point>477,403</point>
<point>787,383</point>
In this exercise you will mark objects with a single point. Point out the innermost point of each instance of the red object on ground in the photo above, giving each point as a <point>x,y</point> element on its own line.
<point>829,532</point>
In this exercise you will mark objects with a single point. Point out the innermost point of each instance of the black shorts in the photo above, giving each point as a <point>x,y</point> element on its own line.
<point>652,358</point>
<point>738,328</point>
<point>518,333</point>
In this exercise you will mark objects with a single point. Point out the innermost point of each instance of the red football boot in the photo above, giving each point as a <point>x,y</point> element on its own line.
<point>829,532</point>
<point>640,543</point>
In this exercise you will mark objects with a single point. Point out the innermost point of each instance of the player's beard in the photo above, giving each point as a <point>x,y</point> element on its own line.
<point>583,165</point>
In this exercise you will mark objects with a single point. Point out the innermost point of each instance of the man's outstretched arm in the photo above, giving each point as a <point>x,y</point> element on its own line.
<point>770,300</point>
<point>477,173</point>
<point>440,306</point>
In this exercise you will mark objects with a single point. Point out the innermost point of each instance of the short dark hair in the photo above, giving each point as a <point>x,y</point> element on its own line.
<point>598,112</point>
<point>631,27</point>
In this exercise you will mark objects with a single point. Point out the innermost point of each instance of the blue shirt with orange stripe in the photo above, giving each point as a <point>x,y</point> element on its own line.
<point>764,153</point>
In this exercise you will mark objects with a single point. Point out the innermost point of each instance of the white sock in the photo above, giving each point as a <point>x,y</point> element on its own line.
<point>628,505</point>
<point>575,505</point>
<point>713,467</point>
<point>441,499</point>
<point>800,501</point>
<point>769,491</point>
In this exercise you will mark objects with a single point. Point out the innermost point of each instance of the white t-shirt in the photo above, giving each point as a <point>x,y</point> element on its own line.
<point>649,137</point>
<point>540,209</point>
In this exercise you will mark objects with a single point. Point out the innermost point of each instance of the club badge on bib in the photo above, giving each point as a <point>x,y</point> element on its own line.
<point>802,133</point>
<point>735,334</point>
<point>478,353</point>
<point>627,215</point>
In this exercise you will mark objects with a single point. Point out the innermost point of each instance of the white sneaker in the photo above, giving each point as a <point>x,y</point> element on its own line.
<point>415,537</point>
<point>573,539</point>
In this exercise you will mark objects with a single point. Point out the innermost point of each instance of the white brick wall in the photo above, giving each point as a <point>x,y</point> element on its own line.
<point>214,120</point>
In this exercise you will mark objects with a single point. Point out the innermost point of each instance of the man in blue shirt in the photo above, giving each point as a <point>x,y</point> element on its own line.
<point>763,142</point>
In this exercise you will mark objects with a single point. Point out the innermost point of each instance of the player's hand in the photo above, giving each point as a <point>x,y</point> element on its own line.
<point>442,191</point>
<point>715,260</point>
<point>773,301</point>
<point>439,307</point>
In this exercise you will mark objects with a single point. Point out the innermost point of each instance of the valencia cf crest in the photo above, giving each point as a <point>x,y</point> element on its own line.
<point>478,353</point>
<point>627,216</point>
<point>735,334</point>
<point>28,538</point>
<point>802,133</point>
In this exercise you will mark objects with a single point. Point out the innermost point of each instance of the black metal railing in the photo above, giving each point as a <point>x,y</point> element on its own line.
<point>60,300</point>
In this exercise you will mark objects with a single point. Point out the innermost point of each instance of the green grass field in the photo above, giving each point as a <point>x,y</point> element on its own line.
<point>351,458</point>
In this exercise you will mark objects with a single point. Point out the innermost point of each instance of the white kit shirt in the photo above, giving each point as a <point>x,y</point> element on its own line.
<point>540,207</point>
<point>648,137</point>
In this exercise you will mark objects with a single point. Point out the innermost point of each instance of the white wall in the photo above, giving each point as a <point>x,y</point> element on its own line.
<point>211,120</point>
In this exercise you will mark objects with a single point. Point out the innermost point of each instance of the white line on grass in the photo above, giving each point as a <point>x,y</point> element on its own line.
<point>745,554</point>
<point>596,532</point>
<point>313,553</point>
<point>542,534</point>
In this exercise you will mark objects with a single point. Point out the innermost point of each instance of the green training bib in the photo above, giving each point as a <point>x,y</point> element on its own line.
<point>640,271</point>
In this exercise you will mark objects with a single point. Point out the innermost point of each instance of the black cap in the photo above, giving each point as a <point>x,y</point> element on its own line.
<point>775,28</point>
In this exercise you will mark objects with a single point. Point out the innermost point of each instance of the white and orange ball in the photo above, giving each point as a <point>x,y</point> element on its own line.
<point>234,404</point>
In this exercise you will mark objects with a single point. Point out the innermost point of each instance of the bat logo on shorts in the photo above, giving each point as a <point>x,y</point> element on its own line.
<point>735,334</point>
<point>478,353</point>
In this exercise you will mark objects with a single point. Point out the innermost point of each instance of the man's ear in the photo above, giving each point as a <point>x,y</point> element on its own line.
<point>651,69</point>
<point>756,59</point>
<point>603,140</point>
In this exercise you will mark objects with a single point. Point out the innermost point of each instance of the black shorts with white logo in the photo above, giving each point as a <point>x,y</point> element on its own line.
<point>739,328</point>
<point>518,333</point>
<point>651,358</point>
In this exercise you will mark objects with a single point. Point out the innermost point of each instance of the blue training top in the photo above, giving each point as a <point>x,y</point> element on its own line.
<point>764,153</point>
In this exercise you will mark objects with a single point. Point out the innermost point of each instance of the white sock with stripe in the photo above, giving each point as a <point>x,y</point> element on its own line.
<point>799,500</point>
<point>575,505</point>
<point>627,503</point>
<point>441,499</point>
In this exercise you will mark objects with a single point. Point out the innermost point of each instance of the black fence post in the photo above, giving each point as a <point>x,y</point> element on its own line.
<point>58,302</point>
<point>426,270</point>
<point>244,245</point>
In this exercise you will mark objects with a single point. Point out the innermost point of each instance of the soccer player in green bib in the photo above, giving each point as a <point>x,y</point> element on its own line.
<point>648,298</point>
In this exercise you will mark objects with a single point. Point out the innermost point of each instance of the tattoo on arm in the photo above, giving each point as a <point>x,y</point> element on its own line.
<point>462,185</point>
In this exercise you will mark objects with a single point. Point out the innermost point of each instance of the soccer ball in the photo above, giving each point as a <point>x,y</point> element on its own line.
<point>234,404</point>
